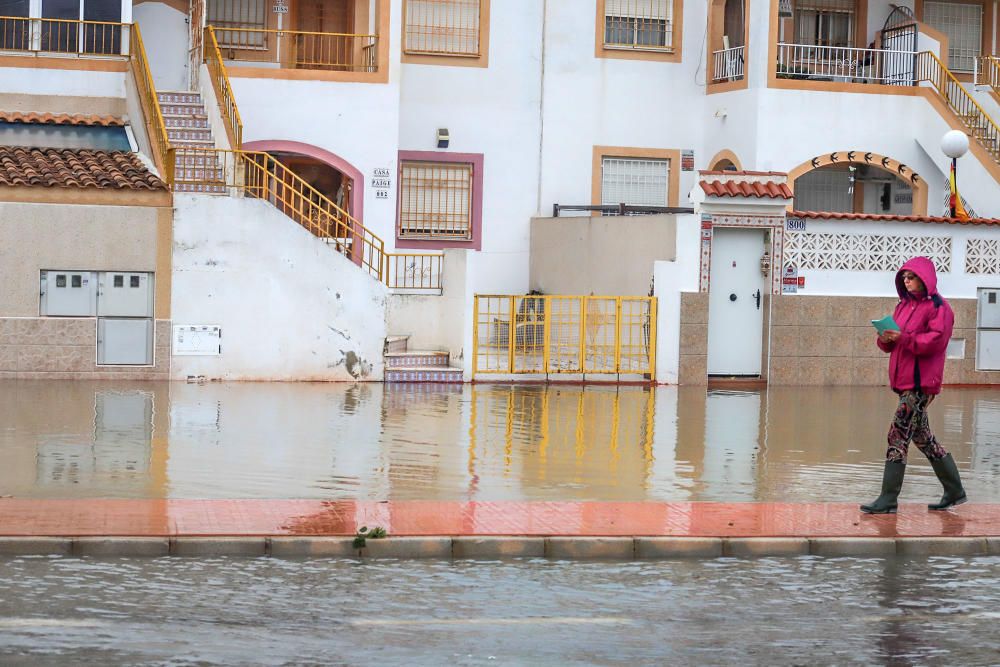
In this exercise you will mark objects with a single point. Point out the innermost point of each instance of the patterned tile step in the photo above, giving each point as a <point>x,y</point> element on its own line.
<point>187,110</point>
<point>189,134</point>
<point>181,97</point>
<point>198,187</point>
<point>424,374</point>
<point>180,517</point>
<point>416,359</point>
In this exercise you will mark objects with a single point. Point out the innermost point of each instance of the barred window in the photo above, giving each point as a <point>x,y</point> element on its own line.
<point>639,182</point>
<point>236,22</point>
<point>963,25</point>
<point>435,200</point>
<point>639,24</point>
<point>442,27</point>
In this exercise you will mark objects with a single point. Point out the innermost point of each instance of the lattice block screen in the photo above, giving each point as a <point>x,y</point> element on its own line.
<point>443,27</point>
<point>634,181</point>
<point>963,25</point>
<point>435,200</point>
<point>982,256</point>
<point>863,252</point>
<point>638,23</point>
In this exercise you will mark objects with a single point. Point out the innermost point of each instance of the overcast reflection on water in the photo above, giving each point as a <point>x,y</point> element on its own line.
<point>473,442</point>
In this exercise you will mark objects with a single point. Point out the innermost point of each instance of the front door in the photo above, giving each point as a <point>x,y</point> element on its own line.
<point>735,302</point>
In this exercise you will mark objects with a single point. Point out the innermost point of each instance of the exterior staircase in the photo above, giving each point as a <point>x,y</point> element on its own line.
<point>197,168</point>
<point>405,365</point>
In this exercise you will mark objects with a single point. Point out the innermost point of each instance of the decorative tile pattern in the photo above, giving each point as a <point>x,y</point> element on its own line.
<point>429,375</point>
<point>982,256</point>
<point>774,223</point>
<point>863,252</point>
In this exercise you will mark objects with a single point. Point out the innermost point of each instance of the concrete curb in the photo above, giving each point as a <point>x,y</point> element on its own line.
<point>500,547</point>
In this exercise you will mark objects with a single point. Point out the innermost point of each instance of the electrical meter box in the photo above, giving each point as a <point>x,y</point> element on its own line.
<point>122,342</point>
<point>68,294</point>
<point>988,350</point>
<point>125,294</point>
<point>989,308</point>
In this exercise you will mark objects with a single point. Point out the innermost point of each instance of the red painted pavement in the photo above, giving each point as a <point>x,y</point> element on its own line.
<point>28,517</point>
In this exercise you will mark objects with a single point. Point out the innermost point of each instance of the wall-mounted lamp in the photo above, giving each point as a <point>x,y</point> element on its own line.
<point>443,137</point>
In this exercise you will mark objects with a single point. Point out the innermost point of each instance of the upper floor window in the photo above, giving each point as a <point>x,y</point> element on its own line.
<point>638,24</point>
<point>635,181</point>
<point>238,23</point>
<point>825,22</point>
<point>962,23</point>
<point>435,200</point>
<point>442,27</point>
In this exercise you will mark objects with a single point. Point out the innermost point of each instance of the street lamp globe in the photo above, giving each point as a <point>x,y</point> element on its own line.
<point>955,144</point>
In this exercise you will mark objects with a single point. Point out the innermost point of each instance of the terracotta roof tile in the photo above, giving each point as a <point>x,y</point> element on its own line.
<point>706,172</point>
<point>880,217</point>
<point>35,117</point>
<point>768,189</point>
<point>80,168</point>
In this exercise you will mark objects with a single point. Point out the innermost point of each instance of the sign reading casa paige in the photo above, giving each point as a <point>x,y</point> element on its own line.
<point>381,182</point>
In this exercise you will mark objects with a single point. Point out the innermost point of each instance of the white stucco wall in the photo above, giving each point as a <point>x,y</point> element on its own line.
<point>80,83</point>
<point>670,280</point>
<point>165,36</point>
<point>290,307</point>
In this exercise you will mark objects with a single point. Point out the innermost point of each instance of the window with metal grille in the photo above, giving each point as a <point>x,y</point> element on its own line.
<point>235,22</point>
<point>435,200</point>
<point>639,24</point>
<point>638,182</point>
<point>827,190</point>
<point>442,27</point>
<point>963,25</point>
<point>824,22</point>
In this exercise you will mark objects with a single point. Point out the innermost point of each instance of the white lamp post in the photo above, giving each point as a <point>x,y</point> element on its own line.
<point>954,144</point>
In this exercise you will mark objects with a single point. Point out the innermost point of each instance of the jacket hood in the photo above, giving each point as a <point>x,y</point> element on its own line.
<point>924,268</point>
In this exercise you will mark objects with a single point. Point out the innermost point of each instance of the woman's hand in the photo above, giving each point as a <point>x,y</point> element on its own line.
<point>889,337</point>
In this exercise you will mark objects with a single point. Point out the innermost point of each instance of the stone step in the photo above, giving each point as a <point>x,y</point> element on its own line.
<point>178,97</point>
<point>396,344</point>
<point>188,134</point>
<point>416,359</point>
<point>424,374</point>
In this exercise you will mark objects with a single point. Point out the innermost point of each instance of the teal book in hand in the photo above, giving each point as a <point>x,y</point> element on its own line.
<point>885,324</point>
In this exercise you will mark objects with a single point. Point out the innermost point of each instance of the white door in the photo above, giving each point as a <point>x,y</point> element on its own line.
<point>735,302</point>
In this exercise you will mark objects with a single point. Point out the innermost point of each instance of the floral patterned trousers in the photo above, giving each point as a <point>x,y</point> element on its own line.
<point>910,423</point>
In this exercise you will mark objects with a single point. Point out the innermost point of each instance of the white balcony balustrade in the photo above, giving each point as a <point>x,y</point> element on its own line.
<point>846,64</point>
<point>728,64</point>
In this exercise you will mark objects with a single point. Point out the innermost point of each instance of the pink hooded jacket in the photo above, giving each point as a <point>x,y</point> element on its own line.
<point>916,359</point>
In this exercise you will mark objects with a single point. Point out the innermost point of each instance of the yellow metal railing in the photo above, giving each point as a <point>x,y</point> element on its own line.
<point>976,120</point>
<point>155,126</point>
<point>68,36</point>
<point>564,334</point>
<point>988,71</point>
<point>259,175</point>
<point>223,90</point>
<point>414,271</point>
<point>334,51</point>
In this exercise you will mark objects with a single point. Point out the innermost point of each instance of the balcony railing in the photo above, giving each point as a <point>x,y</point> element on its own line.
<point>63,36</point>
<point>414,271</point>
<point>728,64</point>
<point>846,64</point>
<point>336,52</point>
<point>987,72</point>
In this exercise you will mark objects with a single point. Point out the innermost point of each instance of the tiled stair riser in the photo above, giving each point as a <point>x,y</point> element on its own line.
<point>429,375</point>
<point>187,127</point>
<point>408,361</point>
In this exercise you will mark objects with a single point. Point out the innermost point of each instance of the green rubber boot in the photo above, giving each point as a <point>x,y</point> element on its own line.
<point>947,474</point>
<point>892,484</point>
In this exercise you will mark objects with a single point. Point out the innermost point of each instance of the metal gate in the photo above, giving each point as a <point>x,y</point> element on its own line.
<point>564,334</point>
<point>899,41</point>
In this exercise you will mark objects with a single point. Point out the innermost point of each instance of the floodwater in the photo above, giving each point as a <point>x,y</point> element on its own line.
<point>474,442</point>
<point>787,611</point>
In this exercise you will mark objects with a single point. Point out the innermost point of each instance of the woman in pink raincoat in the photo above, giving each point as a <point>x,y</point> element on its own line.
<point>916,366</point>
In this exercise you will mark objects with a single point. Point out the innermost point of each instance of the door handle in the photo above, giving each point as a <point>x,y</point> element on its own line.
<point>757,298</point>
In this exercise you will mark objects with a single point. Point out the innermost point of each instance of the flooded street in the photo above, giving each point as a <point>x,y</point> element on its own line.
<point>789,611</point>
<point>474,442</point>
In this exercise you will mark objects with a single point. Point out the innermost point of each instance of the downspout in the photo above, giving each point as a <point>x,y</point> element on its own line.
<point>541,109</point>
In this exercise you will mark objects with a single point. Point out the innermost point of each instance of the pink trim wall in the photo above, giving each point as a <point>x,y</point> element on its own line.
<point>476,160</point>
<point>357,207</point>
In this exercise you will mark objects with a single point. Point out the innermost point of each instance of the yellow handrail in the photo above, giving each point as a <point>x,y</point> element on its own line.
<point>981,126</point>
<point>414,270</point>
<point>44,35</point>
<point>257,174</point>
<point>155,126</point>
<point>989,71</point>
<point>341,51</point>
<point>544,334</point>
<point>223,90</point>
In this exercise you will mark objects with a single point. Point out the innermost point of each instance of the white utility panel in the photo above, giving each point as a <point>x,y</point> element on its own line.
<point>125,294</point>
<point>124,342</point>
<point>68,294</point>
<point>197,339</point>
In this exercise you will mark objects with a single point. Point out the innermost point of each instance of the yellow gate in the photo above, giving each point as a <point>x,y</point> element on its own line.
<point>564,334</point>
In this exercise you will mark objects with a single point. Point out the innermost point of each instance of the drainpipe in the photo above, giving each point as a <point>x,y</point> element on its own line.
<point>541,108</point>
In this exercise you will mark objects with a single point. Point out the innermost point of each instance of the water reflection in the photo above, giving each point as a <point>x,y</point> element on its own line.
<point>481,442</point>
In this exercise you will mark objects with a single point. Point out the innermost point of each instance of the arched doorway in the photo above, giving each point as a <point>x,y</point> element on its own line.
<point>331,175</point>
<point>725,160</point>
<point>858,182</point>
